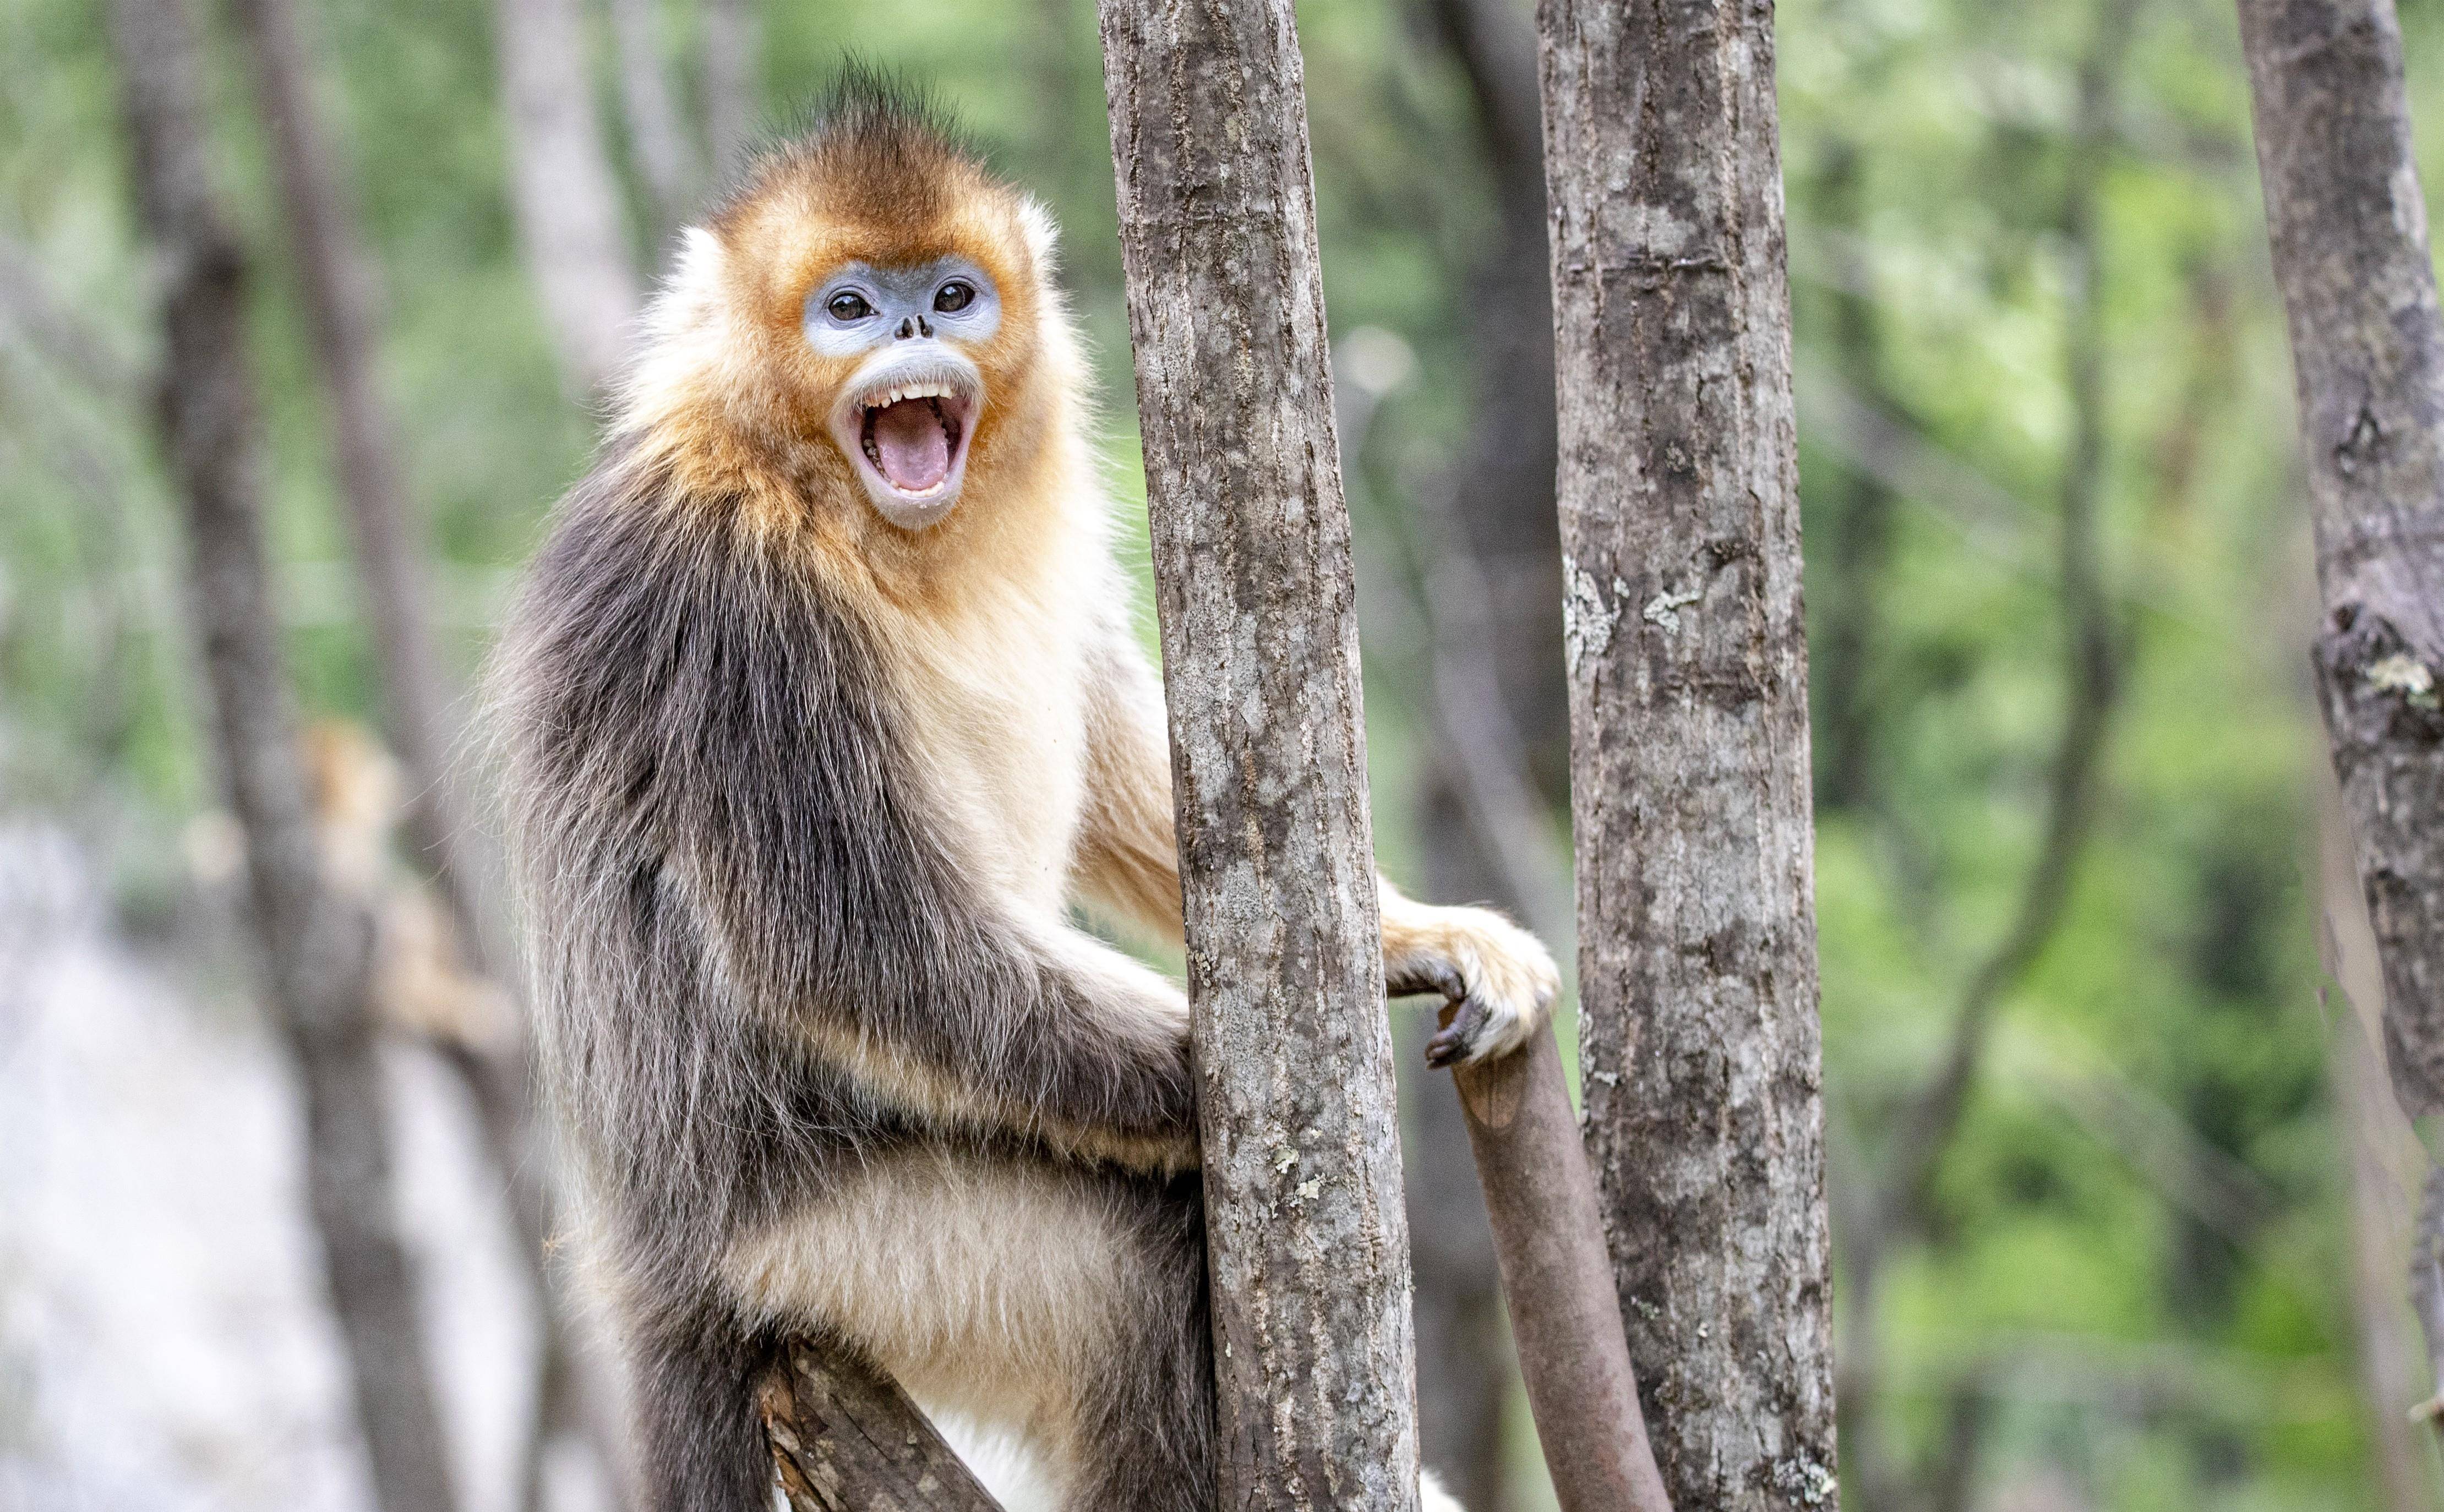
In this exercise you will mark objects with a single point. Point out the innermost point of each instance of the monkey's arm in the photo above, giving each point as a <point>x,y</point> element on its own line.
<point>712,753</point>
<point>1499,978</point>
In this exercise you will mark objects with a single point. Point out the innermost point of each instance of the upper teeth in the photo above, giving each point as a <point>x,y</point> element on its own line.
<point>911,391</point>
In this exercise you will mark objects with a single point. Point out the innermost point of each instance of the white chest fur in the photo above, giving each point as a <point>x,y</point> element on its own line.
<point>995,692</point>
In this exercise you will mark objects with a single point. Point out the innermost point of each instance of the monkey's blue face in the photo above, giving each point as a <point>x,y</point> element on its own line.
<point>907,410</point>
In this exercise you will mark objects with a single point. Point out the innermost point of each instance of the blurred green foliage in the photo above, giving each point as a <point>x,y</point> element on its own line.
<point>2129,1353</point>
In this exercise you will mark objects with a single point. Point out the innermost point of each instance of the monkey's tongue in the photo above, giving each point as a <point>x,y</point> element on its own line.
<point>915,447</point>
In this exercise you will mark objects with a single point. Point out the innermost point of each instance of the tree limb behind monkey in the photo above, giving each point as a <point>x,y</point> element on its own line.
<point>821,708</point>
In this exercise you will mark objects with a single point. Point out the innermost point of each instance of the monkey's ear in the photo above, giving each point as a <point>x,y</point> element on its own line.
<point>1043,237</point>
<point>692,294</point>
<point>700,258</point>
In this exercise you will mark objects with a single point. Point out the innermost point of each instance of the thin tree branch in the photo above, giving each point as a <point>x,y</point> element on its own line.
<point>34,316</point>
<point>2092,665</point>
<point>2186,1170</point>
<point>563,195</point>
<point>665,158</point>
<point>2164,1149</point>
<point>845,1438</point>
<point>1929,1121</point>
<point>733,58</point>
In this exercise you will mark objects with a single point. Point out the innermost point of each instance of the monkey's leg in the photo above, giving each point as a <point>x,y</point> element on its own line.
<point>1145,1422</point>
<point>1059,1301</point>
<point>702,1446</point>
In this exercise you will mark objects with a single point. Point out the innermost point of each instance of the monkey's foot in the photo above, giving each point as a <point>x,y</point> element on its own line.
<point>1497,979</point>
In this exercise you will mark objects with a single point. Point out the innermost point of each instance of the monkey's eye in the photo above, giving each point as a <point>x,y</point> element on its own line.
<point>846,307</point>
<point>953,297</point>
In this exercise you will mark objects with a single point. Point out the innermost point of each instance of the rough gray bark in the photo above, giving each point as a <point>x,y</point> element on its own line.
<point>1306,1236</point>
<point>664,157</point>
<point>845,1438</point>
<point>2348,225</point>
<point>338,278</point>
<point>316,949</point>
<point>562,195</point>
<point>1688,669</point>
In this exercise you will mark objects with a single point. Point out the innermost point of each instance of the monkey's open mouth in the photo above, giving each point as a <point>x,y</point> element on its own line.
<point>914,436</point>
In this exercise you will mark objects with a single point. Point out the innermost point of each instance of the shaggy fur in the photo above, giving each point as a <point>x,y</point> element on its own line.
<point>800,802</point>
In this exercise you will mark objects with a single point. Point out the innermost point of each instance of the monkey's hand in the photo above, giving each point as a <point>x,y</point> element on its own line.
<point>1498,980</point>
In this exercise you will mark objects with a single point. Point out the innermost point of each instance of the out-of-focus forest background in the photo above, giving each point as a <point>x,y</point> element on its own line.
<point>2118,1193</point>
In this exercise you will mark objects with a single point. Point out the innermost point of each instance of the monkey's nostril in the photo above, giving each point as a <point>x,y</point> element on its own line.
<point>907,328</point>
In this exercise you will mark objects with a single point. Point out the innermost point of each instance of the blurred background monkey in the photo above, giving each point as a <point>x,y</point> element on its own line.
<point>820,707</point>
<point>422,985</point>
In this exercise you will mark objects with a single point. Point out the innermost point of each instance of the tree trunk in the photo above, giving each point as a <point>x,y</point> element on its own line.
<point>2381,1160</point>
<point>664,157</point>
<point>733,76</point>
<point>316,949</point>
<point>1688,667</point>
<point>2349,230</point>
<point>845,1438</point>
<point>1306,1236</point>
<point>338,279</point>
<point>561,191</point>
<point>2348,225</point>
<point>342,304</point>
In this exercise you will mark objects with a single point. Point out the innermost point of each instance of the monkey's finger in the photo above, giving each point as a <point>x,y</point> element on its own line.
<point>1416,978</point>
<point>1457,1040</point>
